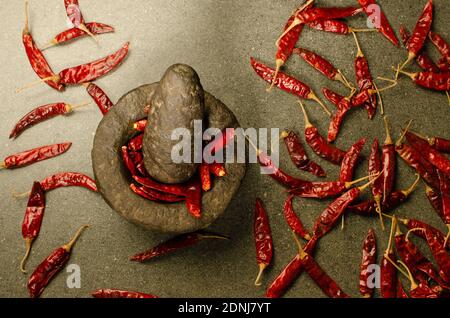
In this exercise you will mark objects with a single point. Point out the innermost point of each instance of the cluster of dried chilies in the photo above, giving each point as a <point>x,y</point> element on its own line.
<point>424,155</point>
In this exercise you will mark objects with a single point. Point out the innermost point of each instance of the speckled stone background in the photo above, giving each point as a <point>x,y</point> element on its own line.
<point>216,38</point>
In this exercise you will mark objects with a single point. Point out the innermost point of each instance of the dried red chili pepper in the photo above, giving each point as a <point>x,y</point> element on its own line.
<point>287,43</point>
<point>369,208</point>
<point>415,160</point>
<point>35,155</point>
<point>194,197</point>
<point>433,156</point>
<point>350,160</point>
<point>319,144</point>
<point>76,18</point>
<point>441,45</point>
<point>217,169</point>
<point>44,273</point>
<point>415,225</point>
<point>375,168</point>
<point>287,83</point>
<point>440,254</point>
<point>32,221</point>
<point>420,33</point>
<point>322,65</point>
<point>338,118</point>
<point>74,33</point>
<point>293,220</point>
<point>219,143</point>
<point>263,240</point>
<point>364,79</point>
<point>128,161</point>
<point>175,244</point>
<point>298,155</point>
<point>205,177</point>
<point>153,195</point>
<point>331,215</point>
<point>388,271</point>
<point>435,199</point>
<point>319,276</point>
<point>176,189</point>
<point>381,23</point>
<point>116,293</point>
<point>332,26</point>
<point>36,58</point>
<point>86,72</point>
<point>332,96</point>
<point>317,14</point>
<point>135,144</point>
<point>438,143</point>
<point>41,114</point>
<point>369,258</point>
<point>445,199</point>
<point>99,96</point>
<point>140,125</point>
<point>422,59</point>
<point>430,80</point>
<point>389,162</point>
<point>290,273</point>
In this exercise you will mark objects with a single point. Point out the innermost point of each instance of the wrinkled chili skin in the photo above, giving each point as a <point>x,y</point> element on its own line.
<point>441,162</point>
<point>38,61</point>
<point>279,175</point>
<point>445,198</point>
<point>73,33</point>
<point>389,165</point>
<point>388,278</point>
<point>361,98</point>
<point>440,254</point>
<point>288,41</point>
<point>92,71</point>
<point>337,119</point>
<point>317,62</point>
<point>384,26</point>
<point>36,155</point>
<point>401,294</point>
<point>170,246</point>
<point>290,273</point>
<point>34,213</point>
<point>441,144</point>
<point>283,81</point>
<point>328,218</point>
<point>365,83</point>
<point>332,26</point>
<point>162,197</point>
<point>332,97</point>
<point>350,160</point>
<point>205,176</point>
<point>69,4</point>
<point>115,293</point>
<point>442,45</point>
<point>415,160</point>
<point>420,33</point>
<point>68,179</point>
<point>46,271</point>
<point>416,224</point>
<point>317,14</point>
<point>422,59</point>
<point>369,257</point>
<point>140,192</point>
<point>179,190</point>
<point>435,199</point>
<point>127,161</point>
<point>320,190</point>
<point>263,235</point>
<point>320,146</point>
<point>368,208</point>
<point>293,220</point>
<point>299,157</point>
<point>375,166</point>
<point>38,115</point>
<point>434,81</point>
<point>424,291</point>
<point>135,144</point>
<point>100,98</point>
<point>194,197</point>
<point>321,278</point>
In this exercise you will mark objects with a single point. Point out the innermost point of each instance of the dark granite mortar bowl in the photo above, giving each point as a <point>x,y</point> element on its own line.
<point>113,180</point>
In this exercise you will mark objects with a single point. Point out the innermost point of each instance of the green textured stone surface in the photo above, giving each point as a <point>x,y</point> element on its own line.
<point>216,38</point>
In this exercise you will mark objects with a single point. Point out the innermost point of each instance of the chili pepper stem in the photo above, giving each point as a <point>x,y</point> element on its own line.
<point>448,235</point>
<point>214,236</point>
<point>68,246</point>
<point>373,91</point>
<point>2,165</point>
<point>401,271</point>
<point>348,185</point>
<point>410,276</point>
<point>399,141</point>
<point>305,115</point>
<point>49,45</point>
<point>411,231</point>
<point>83,28</point>
<point>390,247</point>
<point>448,97</point>
<point>341,78</point>
<point>262,268</point>
<point>358,46</point>
<point>295,22</point>
<point>343,222</point>
<point>301,252</point>
<point>409,74</point>
<point>279,64</point>
<point>21,195</point>
<point>28,243</point>
<point>411,57</point>
<point>380,98</point>
<point>411,189</point>
<point>313,97</point>
<point>362,30</point>
<point>377,199</point>
<point>388,140</point>
<point>70,108</point>
<point>26,28</point>
<point>54,78</point>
